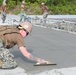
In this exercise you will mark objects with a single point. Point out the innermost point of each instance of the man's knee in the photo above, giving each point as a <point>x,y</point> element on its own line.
<point>7,59</point>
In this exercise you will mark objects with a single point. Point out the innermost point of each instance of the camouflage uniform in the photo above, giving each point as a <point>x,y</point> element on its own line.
<point>3,12</point>
<point>3,17</point>
<point>22,14</point>
<point>45,13</point>
<point>7,60</point>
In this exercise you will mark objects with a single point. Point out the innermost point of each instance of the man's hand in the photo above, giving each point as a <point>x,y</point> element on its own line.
<point>41,61</point>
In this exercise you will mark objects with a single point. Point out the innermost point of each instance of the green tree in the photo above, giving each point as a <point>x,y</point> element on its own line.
<point>1,2</point>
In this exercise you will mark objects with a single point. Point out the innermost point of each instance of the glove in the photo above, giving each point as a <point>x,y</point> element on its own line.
<point>42,62</point>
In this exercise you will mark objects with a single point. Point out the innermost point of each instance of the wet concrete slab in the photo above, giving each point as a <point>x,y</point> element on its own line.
<point>16,71</point>
<point>54,46</point>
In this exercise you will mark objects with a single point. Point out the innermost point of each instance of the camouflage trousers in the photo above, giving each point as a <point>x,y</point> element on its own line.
<point>23,17</point>
<point>7,60</point>
<point>45,15</point>
<point>3,17</point>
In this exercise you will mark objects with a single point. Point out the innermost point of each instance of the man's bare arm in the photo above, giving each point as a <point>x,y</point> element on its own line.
<point>30,56</point>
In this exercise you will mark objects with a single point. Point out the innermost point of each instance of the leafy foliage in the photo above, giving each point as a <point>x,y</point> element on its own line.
<point>1,2</point>
<point>34,6</point>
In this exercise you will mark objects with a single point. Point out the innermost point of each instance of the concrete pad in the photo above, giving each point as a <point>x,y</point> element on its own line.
<point>51,45</point>
<point>63,71</point>
<point>16,71</point>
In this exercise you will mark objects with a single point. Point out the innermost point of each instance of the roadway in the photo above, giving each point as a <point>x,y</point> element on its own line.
<point>54,46</point>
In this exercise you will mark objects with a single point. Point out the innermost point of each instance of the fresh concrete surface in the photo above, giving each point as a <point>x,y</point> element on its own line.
<point>52,45</point>
<point>16,71</point>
